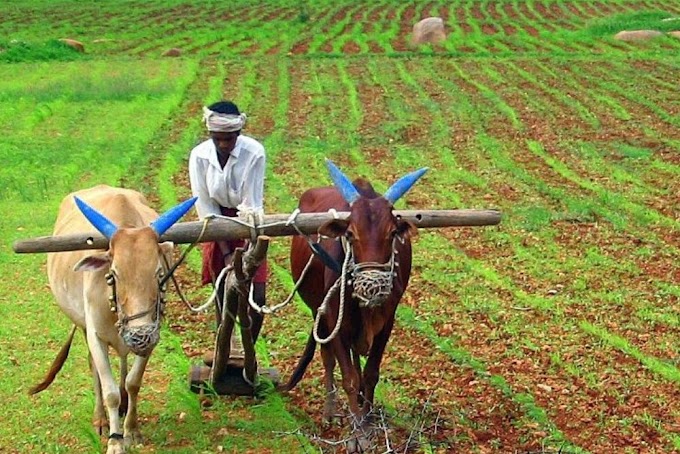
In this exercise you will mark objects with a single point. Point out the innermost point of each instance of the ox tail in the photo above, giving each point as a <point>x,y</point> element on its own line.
<point>301,367</point>
<point>57,364</point>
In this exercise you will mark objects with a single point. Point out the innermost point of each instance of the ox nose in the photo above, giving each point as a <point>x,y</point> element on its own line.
<point>141,339</point>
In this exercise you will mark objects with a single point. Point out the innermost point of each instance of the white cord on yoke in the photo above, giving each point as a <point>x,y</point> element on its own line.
<point>213,295</point>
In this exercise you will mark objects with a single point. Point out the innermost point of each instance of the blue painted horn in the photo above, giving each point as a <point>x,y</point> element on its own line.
<point>160,225</point>
<point>168,219</point>
<point>342,183</point>
<point>98,220</point>
<point>401,186</point>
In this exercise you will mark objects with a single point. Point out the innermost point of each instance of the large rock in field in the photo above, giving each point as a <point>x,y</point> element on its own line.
<point>77,45</point>
<point>637,35</point>
<point>429,30</point>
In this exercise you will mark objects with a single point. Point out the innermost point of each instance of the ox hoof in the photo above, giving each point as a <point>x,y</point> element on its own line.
<point>361,441</point>
<point>133,438</point>
<point>101,427</point>
<point>115,447</point>
<point>330,409</point>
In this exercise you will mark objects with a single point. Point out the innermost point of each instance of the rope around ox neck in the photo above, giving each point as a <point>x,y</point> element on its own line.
<point>324,306</point>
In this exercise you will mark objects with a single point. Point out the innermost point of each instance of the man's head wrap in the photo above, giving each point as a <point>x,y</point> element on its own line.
<point>219,122</point>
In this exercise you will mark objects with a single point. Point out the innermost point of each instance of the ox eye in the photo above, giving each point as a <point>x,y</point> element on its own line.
<point>349,235</point>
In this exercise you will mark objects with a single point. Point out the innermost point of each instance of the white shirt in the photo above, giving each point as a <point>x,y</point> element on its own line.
<point>240,182</point>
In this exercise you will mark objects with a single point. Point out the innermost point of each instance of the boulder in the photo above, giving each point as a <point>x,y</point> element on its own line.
<point>174,52</point>
<point>429,30</point>
<point>637,35</point>
<point>77,45</point>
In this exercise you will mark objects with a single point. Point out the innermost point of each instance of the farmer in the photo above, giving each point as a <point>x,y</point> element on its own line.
<point>227,175</point>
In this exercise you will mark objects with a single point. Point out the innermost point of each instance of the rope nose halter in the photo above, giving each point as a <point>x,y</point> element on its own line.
<point>141,338</point>
<point>372,282</point>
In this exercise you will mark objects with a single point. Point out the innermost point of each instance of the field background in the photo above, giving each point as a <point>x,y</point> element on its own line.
<point>557,330</point>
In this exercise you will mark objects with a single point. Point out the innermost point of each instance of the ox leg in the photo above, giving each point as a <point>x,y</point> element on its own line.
<point>361,438</point>
<point>110,391</point>
<point>350,377</point>
<point>329,381</point>
<point>356,360</point>
<point>133,383</point>
<point>122,410</point>
<point>99,421</point>
<point>372,370</point>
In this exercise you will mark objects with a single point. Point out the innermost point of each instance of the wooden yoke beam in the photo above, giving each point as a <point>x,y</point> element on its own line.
<point>273,225</point>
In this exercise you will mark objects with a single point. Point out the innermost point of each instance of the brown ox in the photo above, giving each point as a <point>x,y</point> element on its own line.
<point>119,302</point>
<point>375,259</point>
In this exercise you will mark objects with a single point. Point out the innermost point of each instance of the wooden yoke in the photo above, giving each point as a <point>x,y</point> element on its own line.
<point>237,284</point>
<point>273,225</point>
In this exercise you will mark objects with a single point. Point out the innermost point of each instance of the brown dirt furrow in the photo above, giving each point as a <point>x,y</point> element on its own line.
<point>302,43</point>
<point>561,17</point>
<point>643,115</point>
<point>300,102</point>
<point>251,49</point>
<point>301,47</point>
<point>533,120</point>
<point>444,11</point>
<point>337,17</point>
<point>513,13</point>
<point>638,276</point>
<point>299,116</point>
<point>608,8</point>
<point>462,20</point>
<point>369,19</point>
<point>350,48</point>
<point>611,129</point>
<point>373,22</point>
<point>461,132</point>
<point>472,414</point>
<point>372,98</point>
<point>537,15</point>
<point>571,402</point>
<point>406,20</point>
<point>277,14</point>
<point>262,121</point>
<point>579,14</point>
<point>592,13</point>
<point>252,13</point>
<point>328,45</point>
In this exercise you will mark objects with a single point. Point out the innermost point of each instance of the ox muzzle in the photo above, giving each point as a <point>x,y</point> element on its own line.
<point>372,283</point>
<point>140,339</point>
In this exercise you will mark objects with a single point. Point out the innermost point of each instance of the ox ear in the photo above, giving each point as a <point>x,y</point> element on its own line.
<point>401,186</point>
<point>334,228</point>
<point>406,229</point>
<point>166,249</point>
<point>168,219</point>
<point>94,262</point>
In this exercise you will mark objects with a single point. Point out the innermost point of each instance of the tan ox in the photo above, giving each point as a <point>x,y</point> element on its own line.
<point>114,296</point>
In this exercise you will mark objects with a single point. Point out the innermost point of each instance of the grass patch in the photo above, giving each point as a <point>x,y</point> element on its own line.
<point>639,20</point>
<point>17,51</point>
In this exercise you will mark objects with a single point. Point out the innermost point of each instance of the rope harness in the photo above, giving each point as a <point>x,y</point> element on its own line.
<point>371,284</point>
<point>140,339</point>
